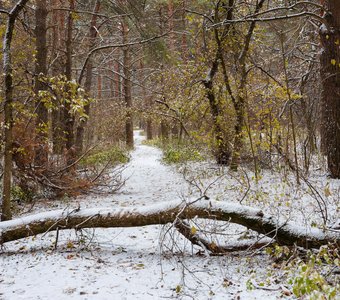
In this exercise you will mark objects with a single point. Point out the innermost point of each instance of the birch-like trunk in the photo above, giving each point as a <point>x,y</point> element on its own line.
<point>6,213</point>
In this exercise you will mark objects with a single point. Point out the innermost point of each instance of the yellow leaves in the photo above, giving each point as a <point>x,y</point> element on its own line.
<point>75,16</point>
<point>333,62</point>
<point>190,18</point>
<point>213,246</point>
<point>193,230</point>
<point>70,245</point>
<point>139,266</point>
<point>327,190</point>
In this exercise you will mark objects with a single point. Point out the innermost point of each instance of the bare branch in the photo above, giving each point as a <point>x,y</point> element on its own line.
<point>122,45</point>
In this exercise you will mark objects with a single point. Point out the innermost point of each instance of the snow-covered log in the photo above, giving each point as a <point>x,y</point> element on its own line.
<point>285,233</point>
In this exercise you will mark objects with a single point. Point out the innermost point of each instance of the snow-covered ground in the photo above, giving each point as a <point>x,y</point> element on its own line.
<point>136,263</point>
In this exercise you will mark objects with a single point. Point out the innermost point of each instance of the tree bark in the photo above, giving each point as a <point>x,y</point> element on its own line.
<point>68,116</point>
<point>88,80</point>
<point>127,86</point>
<point>8,111</point>
<point>240,99</point>
<point>58,28</point>
<point>285,233</point>
<point>148,105</point>
<point>223,150</point>
<point>41,148</point>
<point>330,97</point>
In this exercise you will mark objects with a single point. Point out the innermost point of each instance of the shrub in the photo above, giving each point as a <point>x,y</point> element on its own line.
<point>175,151</point>
<point>310,280</point>
<point>112,156</point>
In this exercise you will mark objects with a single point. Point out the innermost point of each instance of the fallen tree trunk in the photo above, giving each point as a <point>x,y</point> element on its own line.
<point>285,233</point>
<point>185,229</point>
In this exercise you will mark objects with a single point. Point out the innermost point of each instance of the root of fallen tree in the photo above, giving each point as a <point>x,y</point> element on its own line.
<point>176,212</point>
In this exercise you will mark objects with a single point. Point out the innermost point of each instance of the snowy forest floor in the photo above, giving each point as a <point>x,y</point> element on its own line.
<point>154,263</point>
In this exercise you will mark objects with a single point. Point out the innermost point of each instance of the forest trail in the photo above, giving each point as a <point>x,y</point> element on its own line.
<point>147,178</point>
<point>125,263</point>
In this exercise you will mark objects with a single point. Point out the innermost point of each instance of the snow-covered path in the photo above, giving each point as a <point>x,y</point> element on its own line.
<point>148,180</point>
<point>124,263</point>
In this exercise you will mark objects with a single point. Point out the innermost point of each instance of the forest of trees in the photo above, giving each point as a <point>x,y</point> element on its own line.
<point>248,85</point>
<point>249,80</point>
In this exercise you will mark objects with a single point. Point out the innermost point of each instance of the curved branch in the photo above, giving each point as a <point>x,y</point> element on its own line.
<point>122,45</point>
<point>268,19</point>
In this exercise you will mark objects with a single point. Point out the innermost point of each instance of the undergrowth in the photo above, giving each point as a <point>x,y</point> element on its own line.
<point>314,275</point>
<point>176,151</point>
<point>111,156</point>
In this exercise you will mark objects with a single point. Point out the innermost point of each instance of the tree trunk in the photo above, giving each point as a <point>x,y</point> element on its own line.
<point>58,28</point>
<point>68,116</point>
<point>41,148</point>
<point>222,150</point>
<point>8,111</point>
<point>184,42</point>
<point>285,233</point>
<point>127,86</point>
<point>171,26</point>
<point>149,132</point>
<point>330,97</point>
<point>240,103</point>
<point>117,79</point>
<point>239,107</point>
<point>88,80</point>
<point>148,105</point>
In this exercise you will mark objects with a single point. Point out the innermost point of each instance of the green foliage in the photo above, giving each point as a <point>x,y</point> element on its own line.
<point>175,151</point>
<point>313,276</point>
<point>113,156</point>
<point>63,91</point>
<point>18,194</point>
<point>310,282</point>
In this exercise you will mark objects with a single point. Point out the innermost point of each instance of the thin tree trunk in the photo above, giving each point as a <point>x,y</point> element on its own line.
<point>58,25</point>
<point>41,150</point>
<point>68,116</point>
<point>88,80</point>
<point>117,79</point>
<point>148,104</point>
<point>6,213</point>
<point>127,86</point>
<point>184,42</point>
<point>171,25</point>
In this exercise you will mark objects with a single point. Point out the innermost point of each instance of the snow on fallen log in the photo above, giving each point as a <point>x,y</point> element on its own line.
<point>285,233</point>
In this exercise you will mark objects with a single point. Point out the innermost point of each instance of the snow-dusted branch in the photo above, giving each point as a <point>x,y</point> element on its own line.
<point>285,233</point>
